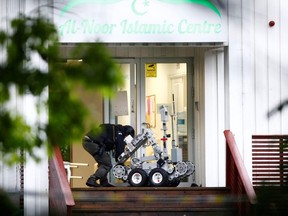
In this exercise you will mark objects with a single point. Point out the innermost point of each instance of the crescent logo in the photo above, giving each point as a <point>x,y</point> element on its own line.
<point>137,11</point>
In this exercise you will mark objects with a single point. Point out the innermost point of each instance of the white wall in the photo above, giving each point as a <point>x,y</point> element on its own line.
<point>9,176</point>
<point>257,70</point>
<point>35,174</point>
<point>36,187</point>
<point>256,78</point>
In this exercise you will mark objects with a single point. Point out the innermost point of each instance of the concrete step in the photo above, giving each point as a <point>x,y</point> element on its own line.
<point>153,201</point>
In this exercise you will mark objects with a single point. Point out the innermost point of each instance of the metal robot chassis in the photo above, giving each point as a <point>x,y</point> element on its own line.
<point>156,170</point>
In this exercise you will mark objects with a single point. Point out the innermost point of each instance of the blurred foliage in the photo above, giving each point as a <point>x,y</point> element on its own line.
<point>7,206</point>
<point>31,37</point>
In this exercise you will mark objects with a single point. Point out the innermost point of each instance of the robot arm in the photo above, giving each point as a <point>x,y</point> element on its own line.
<point>156,148</point>
<point>132,145</point>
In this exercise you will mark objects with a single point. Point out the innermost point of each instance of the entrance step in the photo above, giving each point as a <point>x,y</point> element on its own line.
<point>153,201</point>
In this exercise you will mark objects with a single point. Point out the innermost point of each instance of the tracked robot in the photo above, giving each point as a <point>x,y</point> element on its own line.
<point>156,170</point>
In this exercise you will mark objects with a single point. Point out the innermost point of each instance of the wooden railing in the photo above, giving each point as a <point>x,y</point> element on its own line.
<point>237,177</point>
<point>61,199</point>
<point>270,160</point>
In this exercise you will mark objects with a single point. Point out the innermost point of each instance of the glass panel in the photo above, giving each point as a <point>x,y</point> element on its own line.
<point>166,84</point>
<point>122,106</point>
<point>124,117</point>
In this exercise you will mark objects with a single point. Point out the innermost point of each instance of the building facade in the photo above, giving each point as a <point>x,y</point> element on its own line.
<point>224,62</point>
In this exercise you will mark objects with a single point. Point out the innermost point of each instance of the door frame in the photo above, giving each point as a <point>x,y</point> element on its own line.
<point>214,122</point>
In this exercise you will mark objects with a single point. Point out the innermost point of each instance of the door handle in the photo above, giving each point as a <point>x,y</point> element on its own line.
<point>132,106</point>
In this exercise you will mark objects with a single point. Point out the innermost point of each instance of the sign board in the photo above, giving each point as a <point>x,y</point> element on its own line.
<point>121,21</point>
<point>151,70</point>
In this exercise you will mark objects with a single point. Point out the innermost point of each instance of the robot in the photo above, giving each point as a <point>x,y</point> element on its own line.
<point>156,170</point>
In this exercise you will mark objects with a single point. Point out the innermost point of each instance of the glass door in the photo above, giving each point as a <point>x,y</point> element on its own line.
<point>123,107</point>
<point>166,83</point>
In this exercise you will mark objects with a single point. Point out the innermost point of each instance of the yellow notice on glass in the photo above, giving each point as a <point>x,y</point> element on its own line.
<point>151,70</point>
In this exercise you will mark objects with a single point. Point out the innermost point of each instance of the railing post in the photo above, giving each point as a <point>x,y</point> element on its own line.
<point>237,177</point>
<point>61,198</point>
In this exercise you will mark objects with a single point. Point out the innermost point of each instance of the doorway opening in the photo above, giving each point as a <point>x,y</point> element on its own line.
<point>169,84</point>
